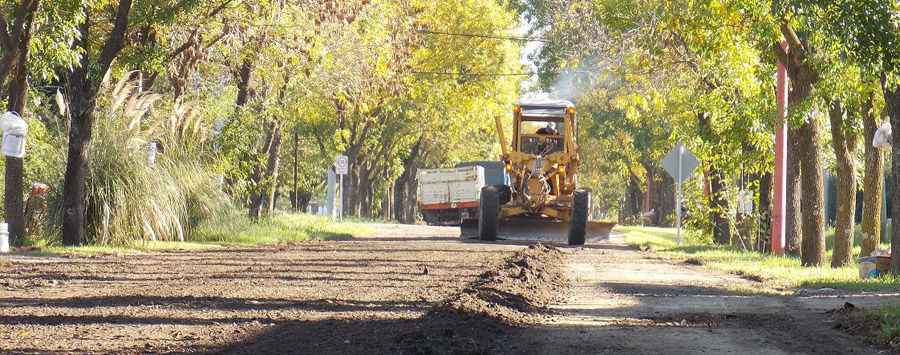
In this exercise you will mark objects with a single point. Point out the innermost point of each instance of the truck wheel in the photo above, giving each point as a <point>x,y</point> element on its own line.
<point>580,209</point>
<point>505,194</point>
<point>488,213</point>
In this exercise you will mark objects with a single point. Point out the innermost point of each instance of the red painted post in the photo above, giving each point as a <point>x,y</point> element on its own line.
<point>780,193</point>
<point>647,195</point>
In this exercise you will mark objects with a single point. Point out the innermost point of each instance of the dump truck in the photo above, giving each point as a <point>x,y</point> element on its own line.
<point>448,195</point>
<point>543,200</point>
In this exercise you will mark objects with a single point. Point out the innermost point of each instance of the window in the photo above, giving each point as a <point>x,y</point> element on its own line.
<point>533,127</point>
<point>538,139</point>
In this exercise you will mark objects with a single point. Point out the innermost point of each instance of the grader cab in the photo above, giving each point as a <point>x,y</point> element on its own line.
<point>543,200</point>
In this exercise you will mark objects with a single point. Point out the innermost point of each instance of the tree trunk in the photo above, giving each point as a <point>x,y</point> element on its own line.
<point>399,197</point>
<point>84,83</point>
<point>813,211</point>
<point>721,223</point>
<point>255,198</point>
<point>303,201</point>
<point>809,148</point>
<point>243,86</point>
<point>243,97</point>
<point>411,204</point>
<point>794,195</point>
<point>295,197</point>
<point>662,196</point>
<point>401,186</point>
<point>892,105</point>
<point>13,206</point>
<point>15,38</point>
<point>717,186</point>
<point>763,238</point>
<point>273,163</point>
<point>387,203</point>
<point>873,181</point>
<point>364,192</point>
<point>633,195</point>
<point>844,139</point>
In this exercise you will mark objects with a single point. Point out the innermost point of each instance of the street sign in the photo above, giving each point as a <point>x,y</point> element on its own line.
<point>688,161</point>
<point>679,163</point>
<point>340,164</point>
<point>340,167</point>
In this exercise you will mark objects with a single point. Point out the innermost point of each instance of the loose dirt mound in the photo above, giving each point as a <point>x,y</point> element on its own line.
<point>527,281</point>
<point>509,294</point>
<point>482,318</point>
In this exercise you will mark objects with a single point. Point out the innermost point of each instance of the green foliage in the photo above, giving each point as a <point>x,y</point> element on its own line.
<point>128,198</point>
<point>381,80</point>
<point>778,273</point>
<point>232,229</point>
<point>282,229</point>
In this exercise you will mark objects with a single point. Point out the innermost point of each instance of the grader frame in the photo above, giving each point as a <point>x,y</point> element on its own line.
<point>543,200</point>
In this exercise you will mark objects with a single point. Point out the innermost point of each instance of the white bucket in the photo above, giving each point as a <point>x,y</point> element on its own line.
<point>13,145</point>
<point>4,238</point>
<point>14,131</point>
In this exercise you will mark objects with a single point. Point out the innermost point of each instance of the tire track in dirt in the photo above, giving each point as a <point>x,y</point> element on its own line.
<point>211,300</point>
<point>624,301</point>
<point>480,319</point>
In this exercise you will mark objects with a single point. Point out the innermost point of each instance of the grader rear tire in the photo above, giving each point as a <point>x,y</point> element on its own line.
<point>488,213</point>
<point>580,210</point>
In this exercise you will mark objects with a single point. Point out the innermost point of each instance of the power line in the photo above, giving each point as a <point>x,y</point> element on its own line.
<point>475,35</point>
<point>471,74</point>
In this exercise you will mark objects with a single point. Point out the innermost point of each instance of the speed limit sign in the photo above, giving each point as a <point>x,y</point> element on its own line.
<point>340,164</point>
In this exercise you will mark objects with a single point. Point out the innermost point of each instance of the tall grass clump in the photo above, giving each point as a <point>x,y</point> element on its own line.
<point>128,196</point>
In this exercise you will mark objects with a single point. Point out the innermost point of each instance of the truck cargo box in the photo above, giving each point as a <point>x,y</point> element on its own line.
<point>450,185</point>
<point>449,195</point>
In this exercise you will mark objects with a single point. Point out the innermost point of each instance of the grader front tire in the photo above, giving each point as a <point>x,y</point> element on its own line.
<point>488,213</point>
<point>580,211</point>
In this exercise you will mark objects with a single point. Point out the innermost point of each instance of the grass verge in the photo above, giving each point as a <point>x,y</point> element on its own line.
<point>880,325</point>
<point>887,322</point>
<point>778,273</point>
<point>237,230</point>
<point>285,228</point>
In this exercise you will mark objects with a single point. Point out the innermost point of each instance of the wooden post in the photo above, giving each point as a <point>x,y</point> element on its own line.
<point>296,195</point>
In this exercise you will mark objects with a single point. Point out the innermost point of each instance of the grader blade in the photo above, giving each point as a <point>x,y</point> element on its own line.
<point>468,228</point>
<point>538,230</point>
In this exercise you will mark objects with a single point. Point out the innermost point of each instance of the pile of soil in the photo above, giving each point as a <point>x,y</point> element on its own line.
<point>482,318</point>
<point>510,294</point>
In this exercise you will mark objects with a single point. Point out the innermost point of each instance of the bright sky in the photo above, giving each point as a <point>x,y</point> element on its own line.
<point>528,49</point>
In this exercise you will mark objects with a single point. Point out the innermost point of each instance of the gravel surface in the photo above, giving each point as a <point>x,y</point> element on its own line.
<point>625,301</point>
<point>406,290</point>
<point>313,297</point>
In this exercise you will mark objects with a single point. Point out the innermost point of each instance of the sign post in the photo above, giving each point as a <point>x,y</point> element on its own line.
<point>340,167</point>
<point>680,161</point>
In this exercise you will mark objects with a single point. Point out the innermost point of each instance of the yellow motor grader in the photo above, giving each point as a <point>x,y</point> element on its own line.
<point>543,200</point>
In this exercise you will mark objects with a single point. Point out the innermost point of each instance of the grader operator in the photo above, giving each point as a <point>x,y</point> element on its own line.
<point>543,200</point>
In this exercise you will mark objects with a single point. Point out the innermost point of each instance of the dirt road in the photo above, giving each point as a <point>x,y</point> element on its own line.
<point>625,301</point>
<point>406,289</point>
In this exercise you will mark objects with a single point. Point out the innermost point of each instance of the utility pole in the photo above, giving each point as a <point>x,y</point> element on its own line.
<point>780,177</point>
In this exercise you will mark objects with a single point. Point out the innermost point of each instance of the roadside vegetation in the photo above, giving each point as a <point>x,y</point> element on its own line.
<point>284,228</point>
<point>171,118</point>
<point>777,273</point>
<point>223,231</point>
<point>884,323</point>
